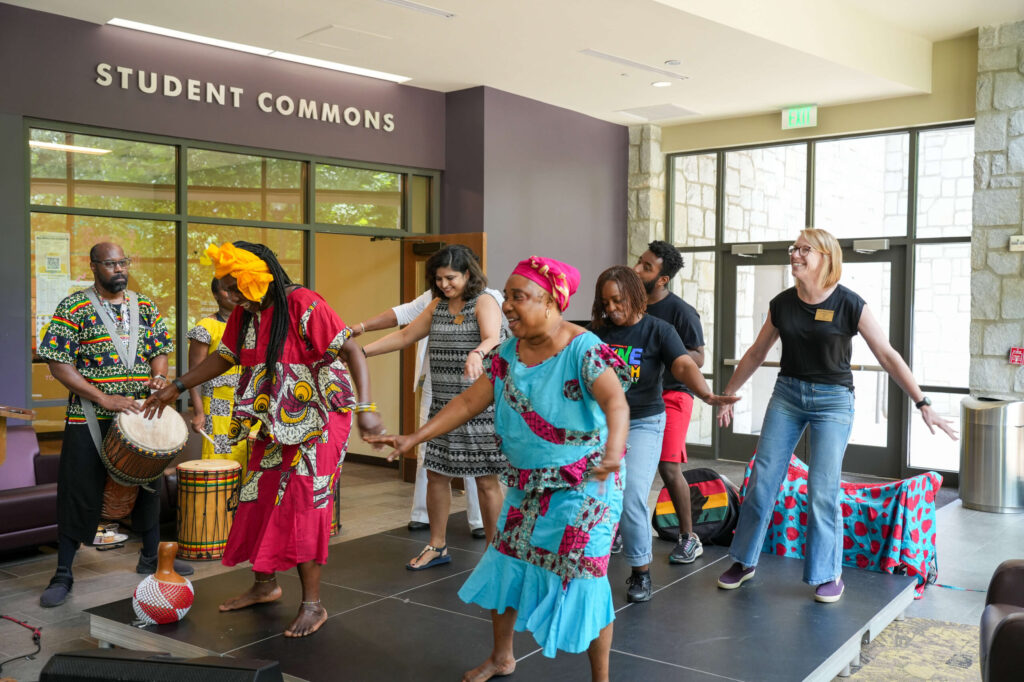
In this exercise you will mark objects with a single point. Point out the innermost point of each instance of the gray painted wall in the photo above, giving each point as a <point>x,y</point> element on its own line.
<point>14,268</point>
<point>48,70</point>
<point>552,184</point>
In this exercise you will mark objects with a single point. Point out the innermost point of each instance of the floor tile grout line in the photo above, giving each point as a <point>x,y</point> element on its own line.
<point>679,579</point>
<point>675,665</point>
<point>438,608</point>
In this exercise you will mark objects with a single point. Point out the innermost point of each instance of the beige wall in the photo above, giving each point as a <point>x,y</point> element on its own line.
<point>360,278</point>
<point>954,74</point>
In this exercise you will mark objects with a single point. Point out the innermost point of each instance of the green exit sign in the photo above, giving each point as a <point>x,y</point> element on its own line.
<point>800,117</point>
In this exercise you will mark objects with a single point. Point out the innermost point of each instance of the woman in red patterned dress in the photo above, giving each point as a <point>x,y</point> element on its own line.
<point>295,383</point>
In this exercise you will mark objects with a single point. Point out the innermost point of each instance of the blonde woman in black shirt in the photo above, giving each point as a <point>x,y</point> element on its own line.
<point>816,321</point>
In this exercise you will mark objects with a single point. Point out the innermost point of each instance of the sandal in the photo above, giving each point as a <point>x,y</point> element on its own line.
<point>441,558</point>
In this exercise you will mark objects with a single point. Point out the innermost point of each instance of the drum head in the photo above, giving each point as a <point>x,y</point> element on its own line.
<point>163,433</point>
<point>197,465</point>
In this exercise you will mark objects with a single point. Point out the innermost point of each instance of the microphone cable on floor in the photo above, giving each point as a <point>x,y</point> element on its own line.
<point>37,637</point>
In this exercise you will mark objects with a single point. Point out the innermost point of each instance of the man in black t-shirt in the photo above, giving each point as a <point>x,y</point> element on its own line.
<point>656,267</point>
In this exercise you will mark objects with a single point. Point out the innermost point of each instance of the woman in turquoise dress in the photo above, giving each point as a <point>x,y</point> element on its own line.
<point>562,419</point>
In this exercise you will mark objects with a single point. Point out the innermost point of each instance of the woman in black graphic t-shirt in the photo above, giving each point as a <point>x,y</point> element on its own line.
<point>816,321</point>
<point>648,346</point>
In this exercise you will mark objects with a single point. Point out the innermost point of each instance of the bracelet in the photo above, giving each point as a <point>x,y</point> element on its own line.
<point>477,350</point>
<point>159,376</point>
<point>362,327</point>
<point>365,407</point>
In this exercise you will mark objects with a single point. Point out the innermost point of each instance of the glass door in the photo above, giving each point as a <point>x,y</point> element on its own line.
<point>750,284</point>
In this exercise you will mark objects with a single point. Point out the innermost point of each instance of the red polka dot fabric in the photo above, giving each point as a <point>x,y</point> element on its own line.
<point>887,527</point>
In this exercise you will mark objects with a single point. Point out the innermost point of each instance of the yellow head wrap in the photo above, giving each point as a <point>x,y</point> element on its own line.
<point>250,270</point>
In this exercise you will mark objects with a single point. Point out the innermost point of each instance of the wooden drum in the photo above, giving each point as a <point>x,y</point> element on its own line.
<point>205,506</point>
<point>135,452</point>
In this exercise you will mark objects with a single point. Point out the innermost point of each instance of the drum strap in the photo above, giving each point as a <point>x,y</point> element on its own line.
<point>89,410</point>
<point>128,354</point>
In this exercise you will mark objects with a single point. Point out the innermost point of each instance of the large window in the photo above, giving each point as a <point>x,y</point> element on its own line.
<point>165,201</point>
<point>858,188</point>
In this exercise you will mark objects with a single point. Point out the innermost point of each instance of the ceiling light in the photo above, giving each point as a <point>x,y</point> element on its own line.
<point>636,65</point>
<point>311,61</point>
<point>661,84</point>
<point>56,146</point>
<point>672,62</point>
<point>415,6</point>
<point>160,30</point>
<point>337,66</point>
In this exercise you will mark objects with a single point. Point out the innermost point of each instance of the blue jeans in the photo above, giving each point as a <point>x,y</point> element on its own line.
<point>643,455</point>
<point>828,410</point>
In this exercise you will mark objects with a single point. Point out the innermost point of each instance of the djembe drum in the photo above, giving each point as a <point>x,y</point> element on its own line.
<point>205,513</point>
<point>135,452</point>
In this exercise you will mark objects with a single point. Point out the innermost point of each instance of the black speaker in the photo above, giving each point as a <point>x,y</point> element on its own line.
<point>145,666</point>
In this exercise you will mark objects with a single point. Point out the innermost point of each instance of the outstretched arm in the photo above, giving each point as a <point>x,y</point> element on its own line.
<point>458,411</point>
<point>213,366</point>
<point>404,337</point>
<point>684,369</point>
<point>751,360</point>
<point>893,363</point>
<point>352,355</point>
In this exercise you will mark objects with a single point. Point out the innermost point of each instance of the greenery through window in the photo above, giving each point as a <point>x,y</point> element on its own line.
<point>244,187</point>
<point>353,196</point>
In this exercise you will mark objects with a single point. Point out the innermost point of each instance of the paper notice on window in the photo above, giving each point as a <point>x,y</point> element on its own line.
<point>52,269</point>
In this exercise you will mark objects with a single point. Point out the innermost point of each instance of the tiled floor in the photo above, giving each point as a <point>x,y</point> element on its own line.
<point>970,545</point>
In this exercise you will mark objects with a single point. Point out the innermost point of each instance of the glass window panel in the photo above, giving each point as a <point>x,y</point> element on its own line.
<point>64,268</point>
<point>419,188</point>
<point>942,314</point>
<point>935,451</point>
<point>945,182</point>
<point>695,284</point>
<point>765,193</point>
<point>353,196</point>
<point>870,409</point>
<point>693,213</point>
<point>245,187</point>
<point>287,245</point>
<point>124,175</point>
<point>873,282</point>
<point>860,186</point>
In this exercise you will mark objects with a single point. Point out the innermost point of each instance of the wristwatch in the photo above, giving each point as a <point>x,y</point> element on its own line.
<point>180,386</point>
<point>924,401</point>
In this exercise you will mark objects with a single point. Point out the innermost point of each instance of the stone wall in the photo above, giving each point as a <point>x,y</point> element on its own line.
<point>997,281</point>
<point>645,208</point>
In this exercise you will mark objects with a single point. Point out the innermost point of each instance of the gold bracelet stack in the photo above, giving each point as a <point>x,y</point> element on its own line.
<point>365,407</point>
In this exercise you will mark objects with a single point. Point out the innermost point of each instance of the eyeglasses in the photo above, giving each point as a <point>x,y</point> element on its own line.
<point>122,264</point>
<point>804,250</point>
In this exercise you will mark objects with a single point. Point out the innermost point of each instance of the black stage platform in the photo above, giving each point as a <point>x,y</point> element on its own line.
<point>387,623</point>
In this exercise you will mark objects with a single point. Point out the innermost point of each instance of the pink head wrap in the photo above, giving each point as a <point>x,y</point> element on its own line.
<point>557,278</point>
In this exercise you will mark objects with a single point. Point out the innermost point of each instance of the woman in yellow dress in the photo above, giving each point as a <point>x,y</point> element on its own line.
<point>218,394</point>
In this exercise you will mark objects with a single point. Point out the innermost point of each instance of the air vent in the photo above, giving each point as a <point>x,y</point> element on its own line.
<point>622,61</point>
<point>658,112</point>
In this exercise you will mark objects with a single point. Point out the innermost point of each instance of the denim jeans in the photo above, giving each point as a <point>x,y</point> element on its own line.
<point>795,405</point>
<point>643,455</point>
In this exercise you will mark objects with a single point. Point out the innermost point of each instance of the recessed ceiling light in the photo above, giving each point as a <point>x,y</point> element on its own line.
<point>426,9</point>
<point>56,146</point>
<point>311,61</point>
<point>661,84</point>
<point>672,62</point>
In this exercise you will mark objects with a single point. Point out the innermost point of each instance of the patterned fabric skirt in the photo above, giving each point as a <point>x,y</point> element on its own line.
<point>217,404</point>
<point>549,562</point>
<point>468,450</point>
<point>286,503</point>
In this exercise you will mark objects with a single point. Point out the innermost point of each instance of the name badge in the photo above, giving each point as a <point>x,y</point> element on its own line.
<point>822,315</point>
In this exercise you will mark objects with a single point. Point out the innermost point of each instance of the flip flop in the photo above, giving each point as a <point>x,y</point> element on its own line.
<point>442,558</point>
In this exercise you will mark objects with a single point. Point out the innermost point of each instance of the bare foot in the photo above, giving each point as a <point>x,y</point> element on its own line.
<point>308,621</point>
<point>259,593</point>
<point>490,668</point>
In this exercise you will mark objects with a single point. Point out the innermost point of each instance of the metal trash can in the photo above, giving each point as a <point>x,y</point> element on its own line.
<point>992,455</point>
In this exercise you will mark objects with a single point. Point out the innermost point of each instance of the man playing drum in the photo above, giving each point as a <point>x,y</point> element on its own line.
<point>87,345</point>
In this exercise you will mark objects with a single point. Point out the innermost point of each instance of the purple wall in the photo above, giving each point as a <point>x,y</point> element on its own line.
<point>49,71</point>
<point>462,199</point>
<point>553,184</point>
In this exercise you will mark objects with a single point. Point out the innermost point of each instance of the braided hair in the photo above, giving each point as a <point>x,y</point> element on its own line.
<point>278,293</point>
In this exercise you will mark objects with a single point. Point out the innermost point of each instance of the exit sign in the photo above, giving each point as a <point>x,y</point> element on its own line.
<point>800,117</point>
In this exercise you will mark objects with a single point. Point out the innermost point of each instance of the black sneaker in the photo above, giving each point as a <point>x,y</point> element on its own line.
<point>639,587</point>
<point>617,543</point>
<point>56,593</point>
<point>686,550</point>
<point>147,566</point>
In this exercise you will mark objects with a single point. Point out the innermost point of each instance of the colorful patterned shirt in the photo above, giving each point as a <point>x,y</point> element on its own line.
<point>77,337</point>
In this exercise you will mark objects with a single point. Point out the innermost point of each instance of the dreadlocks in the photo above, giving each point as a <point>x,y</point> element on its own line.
<point>278,293</point>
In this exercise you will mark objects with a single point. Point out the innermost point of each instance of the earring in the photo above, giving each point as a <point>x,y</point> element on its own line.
<point>547,312</point>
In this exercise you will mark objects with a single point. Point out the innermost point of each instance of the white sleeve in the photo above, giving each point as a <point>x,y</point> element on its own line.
<point>496,295</point>
<point>407,312</point>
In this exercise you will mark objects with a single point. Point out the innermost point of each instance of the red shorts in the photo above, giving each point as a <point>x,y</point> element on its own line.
<point>678,407</point>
